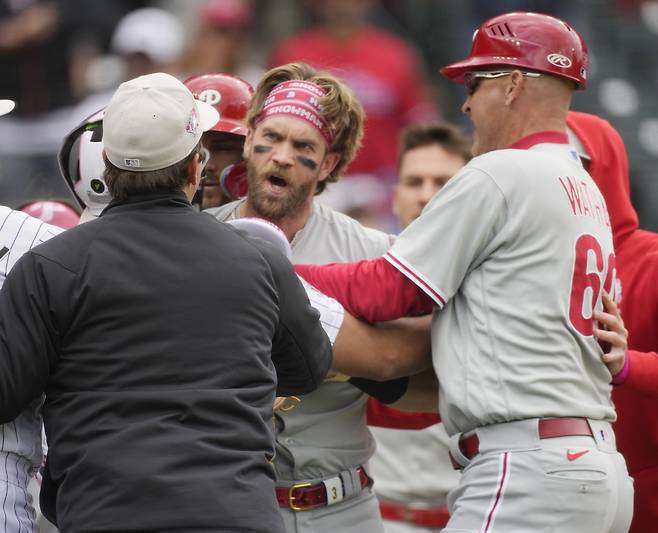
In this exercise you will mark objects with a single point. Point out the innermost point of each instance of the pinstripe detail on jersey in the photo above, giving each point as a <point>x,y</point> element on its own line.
<point>425,285</point>
<point>19,233</point>
<point>504,467</point>
<point>331,311</point>
<point>20,440</point>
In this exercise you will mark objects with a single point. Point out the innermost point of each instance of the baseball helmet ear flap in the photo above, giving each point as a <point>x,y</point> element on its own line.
<point>528,41</point>
<point>82,165</point>
<point>229,95</point>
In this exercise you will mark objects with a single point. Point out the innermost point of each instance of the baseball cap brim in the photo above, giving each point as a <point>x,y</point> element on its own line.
<point>6,106</point>
<point>208,115</point>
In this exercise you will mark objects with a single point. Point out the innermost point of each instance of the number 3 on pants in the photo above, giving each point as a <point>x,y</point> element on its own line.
<point>586,282</point>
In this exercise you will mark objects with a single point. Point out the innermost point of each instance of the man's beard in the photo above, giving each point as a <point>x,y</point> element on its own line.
<point>276,208</point>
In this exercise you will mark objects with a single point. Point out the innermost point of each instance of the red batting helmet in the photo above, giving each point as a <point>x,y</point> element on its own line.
<point>54,212</point>
<point>229,95</point>
<point>526,41</point>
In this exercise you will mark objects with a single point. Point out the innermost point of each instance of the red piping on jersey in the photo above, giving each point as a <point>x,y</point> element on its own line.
<point>414,277</point>
<point>553,137</point>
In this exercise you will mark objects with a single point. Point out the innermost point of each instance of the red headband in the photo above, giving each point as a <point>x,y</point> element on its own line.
<point>298,99</point>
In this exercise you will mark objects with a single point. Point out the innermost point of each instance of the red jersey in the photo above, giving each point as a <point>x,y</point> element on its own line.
<point>637,269</point>
<point>384,73</point>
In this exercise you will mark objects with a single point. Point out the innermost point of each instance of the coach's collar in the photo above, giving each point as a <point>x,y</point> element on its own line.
<point>552,137</point>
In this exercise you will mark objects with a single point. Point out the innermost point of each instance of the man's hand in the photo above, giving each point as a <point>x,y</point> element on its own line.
<point>615,335</point>
<point>286,403</point>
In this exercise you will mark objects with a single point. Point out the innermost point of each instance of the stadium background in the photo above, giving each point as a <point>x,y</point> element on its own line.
<point>621,34</point>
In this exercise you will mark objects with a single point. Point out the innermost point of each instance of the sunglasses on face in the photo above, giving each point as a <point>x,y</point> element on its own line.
<point>473,79</point>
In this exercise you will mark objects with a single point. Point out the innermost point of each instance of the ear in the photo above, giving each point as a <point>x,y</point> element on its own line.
<point>514,87</point>
<point>328,165</point>
<point>193,179</point>
<point>248,141</point>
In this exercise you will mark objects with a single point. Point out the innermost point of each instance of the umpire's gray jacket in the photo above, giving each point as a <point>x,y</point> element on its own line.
<point>155,332</point>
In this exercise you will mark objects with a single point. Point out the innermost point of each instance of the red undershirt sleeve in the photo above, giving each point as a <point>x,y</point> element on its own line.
<point>381,415</point>
<point>372,290</point>
<point>643,372</point>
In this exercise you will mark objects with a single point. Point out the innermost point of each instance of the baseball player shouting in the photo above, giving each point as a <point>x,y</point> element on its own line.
<point>523,391</point>
<point>304,128</point>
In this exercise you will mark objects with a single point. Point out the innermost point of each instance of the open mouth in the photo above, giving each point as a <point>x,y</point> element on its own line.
<point>277,183</point>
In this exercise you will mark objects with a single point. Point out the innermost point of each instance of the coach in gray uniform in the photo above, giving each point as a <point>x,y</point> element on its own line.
<point>158,413</point>
<point>524,393</point>
<point>302,134</point>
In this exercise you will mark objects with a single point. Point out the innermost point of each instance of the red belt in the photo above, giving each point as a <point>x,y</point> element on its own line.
<point>433,518</point>
<point>305,496</point>
<point>548,428</point>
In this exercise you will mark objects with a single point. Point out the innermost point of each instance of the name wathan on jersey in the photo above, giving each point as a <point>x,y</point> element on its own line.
<point>585,199</point>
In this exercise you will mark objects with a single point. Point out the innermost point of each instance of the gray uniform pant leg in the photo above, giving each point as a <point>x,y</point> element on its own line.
<point>552,488</point>
<point>357,515</point>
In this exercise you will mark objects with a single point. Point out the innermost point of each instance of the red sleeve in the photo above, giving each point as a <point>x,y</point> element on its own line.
<point>643,372</point>
<point>371,290</point>
<point>386,417</point>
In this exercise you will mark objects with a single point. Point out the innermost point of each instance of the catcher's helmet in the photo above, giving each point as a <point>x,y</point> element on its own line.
<point>229,95</point>
<point>526,41</point>
<point>82,165</point>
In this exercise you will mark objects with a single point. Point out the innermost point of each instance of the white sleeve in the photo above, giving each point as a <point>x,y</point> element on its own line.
<point>452,236</point>
<point>19,233</point>
<point>21,446</point>
<point>331,311</point>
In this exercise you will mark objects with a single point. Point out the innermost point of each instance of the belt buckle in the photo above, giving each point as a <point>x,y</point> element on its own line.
<point>291,496</point>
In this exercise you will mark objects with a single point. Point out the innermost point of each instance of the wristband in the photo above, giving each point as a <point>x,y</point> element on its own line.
<point>622,375</point>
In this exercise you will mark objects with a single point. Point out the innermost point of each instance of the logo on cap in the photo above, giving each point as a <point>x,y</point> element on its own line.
<point>193,122</point>
<point>210,96</point>
<point>132,163</point>
<point>559,60</point>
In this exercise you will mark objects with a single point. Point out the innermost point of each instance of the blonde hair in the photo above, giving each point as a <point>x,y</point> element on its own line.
<point>341,109</point>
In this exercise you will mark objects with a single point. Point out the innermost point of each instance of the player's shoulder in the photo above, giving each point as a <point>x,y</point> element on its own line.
<point>20,232</point>
<point>509,164</point>
<point>341,224</point>
<point>223,212</point>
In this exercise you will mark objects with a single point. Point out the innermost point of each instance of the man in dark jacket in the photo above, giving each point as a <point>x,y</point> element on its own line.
<point>157,335</point>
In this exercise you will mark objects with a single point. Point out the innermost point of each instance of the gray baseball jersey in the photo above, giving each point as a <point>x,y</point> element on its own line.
<point>516,281</point>
<point>20,441</point>
<point>327,432</point>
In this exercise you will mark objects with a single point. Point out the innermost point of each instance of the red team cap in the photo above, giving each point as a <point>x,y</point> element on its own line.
<point>297,99</point>
<point>525,41</point>
<point>229,95</point>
